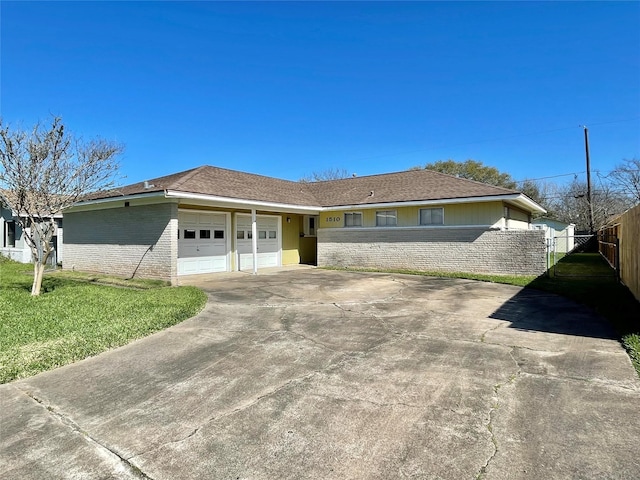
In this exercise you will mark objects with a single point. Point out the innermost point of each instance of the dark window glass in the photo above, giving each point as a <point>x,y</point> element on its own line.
<point>11,234</point>
<point>189,234</point>
<point>218,234</point>
<point>205,233</point>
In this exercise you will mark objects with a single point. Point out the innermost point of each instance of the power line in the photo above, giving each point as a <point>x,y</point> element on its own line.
<point>600,173</point>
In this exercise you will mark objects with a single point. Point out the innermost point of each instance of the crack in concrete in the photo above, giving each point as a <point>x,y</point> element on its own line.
<point>311,340</point>
<point>494,407</point>
<point>333,365</point>
<point>370,402</point>
<point>65,420</point>
<point>484,335</point>
<point>236,410</point>
<point>343,308</point>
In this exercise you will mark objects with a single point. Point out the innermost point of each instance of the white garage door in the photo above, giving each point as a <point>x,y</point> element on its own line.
<point>268,242</point>
<point>202,243</point>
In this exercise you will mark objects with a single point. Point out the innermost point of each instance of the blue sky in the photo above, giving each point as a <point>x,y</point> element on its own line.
<point>284,89</point>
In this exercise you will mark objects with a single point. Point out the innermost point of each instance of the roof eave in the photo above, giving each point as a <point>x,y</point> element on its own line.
<point>515,198</point>
<point>230,202</point>
<point>525,202</point>
<point>105,200</point>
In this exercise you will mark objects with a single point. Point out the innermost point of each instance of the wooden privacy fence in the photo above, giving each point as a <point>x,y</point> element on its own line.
<point>609,246</point>
<point>623,235</point>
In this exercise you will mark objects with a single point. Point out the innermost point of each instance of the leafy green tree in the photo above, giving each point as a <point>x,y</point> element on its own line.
<point>473,170</point>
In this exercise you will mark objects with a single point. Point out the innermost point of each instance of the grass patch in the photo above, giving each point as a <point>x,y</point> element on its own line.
<point>80,315</point>
<point>518,280</point>
<point>586,278</point>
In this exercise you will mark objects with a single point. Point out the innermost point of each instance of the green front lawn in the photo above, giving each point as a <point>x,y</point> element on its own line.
<point>78,316</point>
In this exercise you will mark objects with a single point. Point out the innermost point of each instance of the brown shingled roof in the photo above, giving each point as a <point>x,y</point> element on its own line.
<point>407,186</point>
<point>221,182</point>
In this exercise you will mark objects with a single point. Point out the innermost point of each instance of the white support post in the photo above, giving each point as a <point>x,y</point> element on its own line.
<point>254,240</point>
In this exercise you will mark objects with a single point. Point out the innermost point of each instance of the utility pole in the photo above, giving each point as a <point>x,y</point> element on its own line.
<point>586,147</point>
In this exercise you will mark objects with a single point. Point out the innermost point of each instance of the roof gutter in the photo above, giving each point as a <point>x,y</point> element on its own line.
<point>516,198</point>
<point>243,203</point>
<point>99,201</point>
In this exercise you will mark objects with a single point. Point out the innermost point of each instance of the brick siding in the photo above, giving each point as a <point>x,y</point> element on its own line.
<point>138,241</point>
<point>476,250</point>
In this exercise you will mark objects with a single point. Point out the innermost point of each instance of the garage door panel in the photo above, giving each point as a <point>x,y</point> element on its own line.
<point>268,243</point>
<point>264,260</point>
<point>195,265</point>
<point>202,245</point>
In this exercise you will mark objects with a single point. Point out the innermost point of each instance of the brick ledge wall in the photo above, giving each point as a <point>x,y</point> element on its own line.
<point>475,250</point>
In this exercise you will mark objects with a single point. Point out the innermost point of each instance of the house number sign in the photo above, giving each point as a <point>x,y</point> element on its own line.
<point>333,219</point>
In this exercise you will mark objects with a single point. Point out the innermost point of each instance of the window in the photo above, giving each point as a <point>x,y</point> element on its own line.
<point>311,225</point>
<point>262,234</point>
<point>11,234</point>
<point>189,234</point>
<point>240,235</point>
<point>353,219</point>
<point>432,216</point>
<point>205,233</point>
<point>218,234</point>
<point>272,234</point>
<point>386,218</point>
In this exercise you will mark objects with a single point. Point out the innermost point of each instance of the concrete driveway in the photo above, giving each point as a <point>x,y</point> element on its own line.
<point>312,374</point>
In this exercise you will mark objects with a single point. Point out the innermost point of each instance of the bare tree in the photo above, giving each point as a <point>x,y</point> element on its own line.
<point>328,174</point>
<point>570,204</point>
<point>43,172</point>
<point>626,178</point>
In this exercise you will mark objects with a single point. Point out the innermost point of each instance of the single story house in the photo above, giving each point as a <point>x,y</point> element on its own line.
<point>210,219</point>
<point>560,236</point>
<point>14,245</point>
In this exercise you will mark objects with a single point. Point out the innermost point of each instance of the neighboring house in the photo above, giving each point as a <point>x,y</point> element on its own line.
<point>560,236</point>
<point>210,219</point>
<point>13,243</point>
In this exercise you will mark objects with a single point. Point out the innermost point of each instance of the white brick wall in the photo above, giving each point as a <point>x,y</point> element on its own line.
<point>476,250</point>
<point>138,241</point>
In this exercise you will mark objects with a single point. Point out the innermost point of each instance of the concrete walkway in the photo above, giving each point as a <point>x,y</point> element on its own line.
<point>312,374</point>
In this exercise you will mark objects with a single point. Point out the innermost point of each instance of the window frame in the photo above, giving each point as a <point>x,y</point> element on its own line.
<point>431,223</point>
<point>386,214</point>
<point>353,216</point>
<point>10,234</point>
